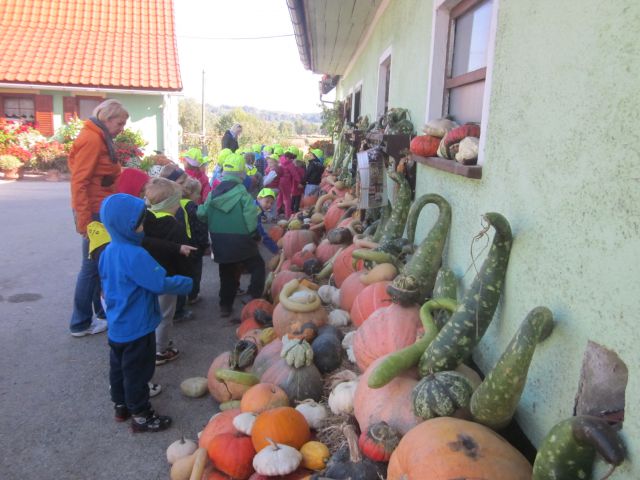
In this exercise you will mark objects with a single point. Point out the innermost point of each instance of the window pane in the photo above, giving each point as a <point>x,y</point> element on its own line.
<point>465,102</point>
<point>19,108</point>
<point>86,106</point>
<point>471,40</point>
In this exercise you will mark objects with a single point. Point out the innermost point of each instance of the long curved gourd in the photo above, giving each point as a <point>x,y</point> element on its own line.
<point>417,278</point>
<point>569,449</point>
<point>455,342</point>
<point>384,218</point>
<point>394,228</point>
<point>375,256</point>
<point>446,286</point>
<point>495,401</point>
<point>288,289</point>
<point>327,269</point>
<point>397,362</point>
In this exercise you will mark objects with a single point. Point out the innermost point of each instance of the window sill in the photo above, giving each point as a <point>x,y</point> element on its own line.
<point>451,166</point>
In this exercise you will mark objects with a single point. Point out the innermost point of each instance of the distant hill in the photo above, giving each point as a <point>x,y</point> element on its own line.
<point>268,115</point>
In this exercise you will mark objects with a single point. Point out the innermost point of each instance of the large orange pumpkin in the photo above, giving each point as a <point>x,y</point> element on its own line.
<point>387,330</point>
<point>267,357</point>
<point>300,257</point>
<point>256,304</point>
<point>232,453</point>
<point>223,392</point>
<point>425,145</point>
<point>350,289</point>
<point>246,326</point>
<point>280,280</point>
<point>452,448</point>
<point>326,250</point>
<point>294,240</point>
<point>391,403</point>
<point>343,265</point>
<point>283,425</point>
<point>263,396</point>
<point>370,299</point>
<point>333,215</point>
<point>285,321</point>
<point>220,423</point>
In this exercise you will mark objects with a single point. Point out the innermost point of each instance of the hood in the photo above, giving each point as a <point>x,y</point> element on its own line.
<point>227,195</point>
<point>120,214</point>
<point>132,181</point>
<point>284,161</point>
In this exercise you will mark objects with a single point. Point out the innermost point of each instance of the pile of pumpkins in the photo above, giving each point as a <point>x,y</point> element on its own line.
<point>421,412</point>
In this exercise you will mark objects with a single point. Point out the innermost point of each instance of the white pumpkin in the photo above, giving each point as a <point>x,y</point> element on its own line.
<point>329,295</point>
<point>244,422</point>
<point>277,459</point>
<point>179,449</point>
<point>194,387</point>
<point>339,318</point>
<point>313,412</point>
<point>303,296</point>
<point>347,344</point>
<point>341,398</point>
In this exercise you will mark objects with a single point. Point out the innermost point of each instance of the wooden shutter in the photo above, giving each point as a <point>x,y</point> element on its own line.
<point>70,108</point>
<point>44,114</point>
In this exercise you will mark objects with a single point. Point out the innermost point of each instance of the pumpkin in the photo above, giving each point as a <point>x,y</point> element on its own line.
<point>246,326</point>
<point>267,335</point>
<point>452,448</point>
<point>280,280</point>
<point>183,447</point>
<point>282,425</point>
<point>223,392</point>
<point>333,216</point>
<point>267,357</point>
<point>232,453</point>
<point>391,403</point>
<point>294,240</point>
<point>331,330</point>
<point>299,383</point>
<point>425,145</point>
<point>327,352</point>
<point>339,318</point>
<point>276,232</point>
<point>370,299</point>
<point>451,141</point>
<point>441,394</point>
<point>248,311</point>
<point>307,331</point>
<point>348,462</point>
<point>210,473</point>
<point>299,474</point>
<point>379,441</point>
<point>387,330</point>
<point>263,396</point>
<point>299,258</point>
<point>350,289</point>
<point>315,455</point>
<point>382,272</point>
<point>343,265</point>
<point>244,422</point>
<point>296,352</point>
<point>219,424</point>
<point>277,459</point>
<point>313,412</point>
<point>326,250</point>
<point>285,320</point>
<point>243,353</point>
<point>308,201</point>
<point>341,398</point>
<point>340,236</point>
<point>194,387</point>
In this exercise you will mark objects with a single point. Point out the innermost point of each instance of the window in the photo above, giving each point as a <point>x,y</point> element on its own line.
<point>19,108</point>
<point>357,96</point>
<point>86,106</point>
<point>469,28</point>
<point>384,77</point>
<point>347,107</point>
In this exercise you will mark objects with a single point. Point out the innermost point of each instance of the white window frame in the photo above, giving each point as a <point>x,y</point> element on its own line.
<point>382,75</point>
<point>437,68</point>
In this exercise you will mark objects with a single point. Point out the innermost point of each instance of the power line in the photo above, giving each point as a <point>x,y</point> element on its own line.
<point>235,38</point>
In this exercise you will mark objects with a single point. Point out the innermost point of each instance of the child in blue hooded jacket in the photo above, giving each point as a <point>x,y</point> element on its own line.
<point>131,283</point>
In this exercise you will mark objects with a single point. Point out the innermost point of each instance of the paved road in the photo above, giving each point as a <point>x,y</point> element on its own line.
<point>56,419</point>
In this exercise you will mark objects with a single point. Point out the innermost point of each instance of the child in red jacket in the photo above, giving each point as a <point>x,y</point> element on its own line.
<point>288,181</point>
<point>298,188</point>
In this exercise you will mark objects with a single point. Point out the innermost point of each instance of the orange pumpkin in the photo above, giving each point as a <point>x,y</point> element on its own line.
<point>210,473</point>
<point>387,330</point>
<point>280,280</point>
<point>276,232</point>
<point>220,423</point>
<point>425,145</point>
<point>294,240</point>
<point>452,448</point>
<point>263,396</point>
<point>309,201</point>
<point>370,299</point>
<point>283,425</point>
<point>391,403</point>
<point>246,326</point>
<point>333,215</point>
<point>223,392</point>
<point>299,258</point>
<point>326,250</point>
<point>250,308</point>
<point>343,265</point>
<point>267,357</point>
<point>350,289</point>
<point>232,453</point>
<point>285,321</point>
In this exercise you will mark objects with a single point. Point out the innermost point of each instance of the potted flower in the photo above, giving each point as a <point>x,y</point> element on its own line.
<point>9,166</point>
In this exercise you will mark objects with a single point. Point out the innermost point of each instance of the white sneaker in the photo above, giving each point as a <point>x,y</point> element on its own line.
<point>97,326</point>
<point>154,389</point>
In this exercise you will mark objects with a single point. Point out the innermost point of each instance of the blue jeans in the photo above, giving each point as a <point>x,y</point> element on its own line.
<point>87,292</point>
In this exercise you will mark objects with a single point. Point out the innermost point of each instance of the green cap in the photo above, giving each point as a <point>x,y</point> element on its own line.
<point>278,151</point>
<point>267,192</point>
<point>256,148</point>
<point>268,149</point>
<point>233,163</point>
<point>318,153</point>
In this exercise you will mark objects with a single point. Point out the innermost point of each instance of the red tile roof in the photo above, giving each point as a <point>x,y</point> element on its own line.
<point>115,44</point>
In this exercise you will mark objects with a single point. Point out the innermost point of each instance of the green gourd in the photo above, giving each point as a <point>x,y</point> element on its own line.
<point>394,227</point>
<point>441,394</point>
<point>384,218</point>
<point>397,362</point>
<point>459,336</point>
<point>446,286</point>
<point>569,449</point>
<point>495,401</point>
<point>415,282</point>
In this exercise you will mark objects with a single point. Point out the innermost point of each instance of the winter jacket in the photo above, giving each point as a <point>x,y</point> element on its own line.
<point>93,174</point>
<point>314,172</point>
<point>203,179</point>
<point>197,233</point>
<point>298,185</point>
<point>229,141</point>
<point>275,183</point>
<point>289,174</point>
<point>230,213</point>
<point>167,252</point>
<point>131,278</point>
<point>266,239</point>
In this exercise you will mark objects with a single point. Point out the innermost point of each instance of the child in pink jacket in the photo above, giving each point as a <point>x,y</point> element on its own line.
<point>288,181</point>
<point>298,188</point>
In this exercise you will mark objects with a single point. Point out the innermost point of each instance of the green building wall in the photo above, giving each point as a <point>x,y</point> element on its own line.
<point>561,163</point>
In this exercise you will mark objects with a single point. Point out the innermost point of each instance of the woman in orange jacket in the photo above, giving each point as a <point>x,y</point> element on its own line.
<point>94,170</point>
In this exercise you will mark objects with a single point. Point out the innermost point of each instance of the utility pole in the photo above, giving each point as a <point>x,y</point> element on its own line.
<point>204,147</point>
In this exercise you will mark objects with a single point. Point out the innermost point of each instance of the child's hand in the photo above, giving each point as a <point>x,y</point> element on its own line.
<point>186,250</point>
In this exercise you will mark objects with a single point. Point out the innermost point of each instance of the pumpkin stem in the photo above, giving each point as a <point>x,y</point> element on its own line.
<point>273,444</point>
<point>352,440</point>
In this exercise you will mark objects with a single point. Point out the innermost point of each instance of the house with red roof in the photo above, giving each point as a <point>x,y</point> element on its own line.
<point>61,58</point>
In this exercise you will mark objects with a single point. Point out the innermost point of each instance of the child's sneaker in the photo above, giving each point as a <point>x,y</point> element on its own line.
<point>168,355</point>
<point>121,413</point>
<point>149,421</point>
<point>97,326</point>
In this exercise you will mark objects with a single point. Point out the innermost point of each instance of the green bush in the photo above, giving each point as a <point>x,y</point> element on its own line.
<point>9,162</point>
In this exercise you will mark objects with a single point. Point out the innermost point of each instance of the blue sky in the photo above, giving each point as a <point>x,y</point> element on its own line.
<point>263,73</point>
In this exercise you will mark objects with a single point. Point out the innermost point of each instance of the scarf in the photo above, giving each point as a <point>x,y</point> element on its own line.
<point>166,204</point>
<point>107,138</point>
